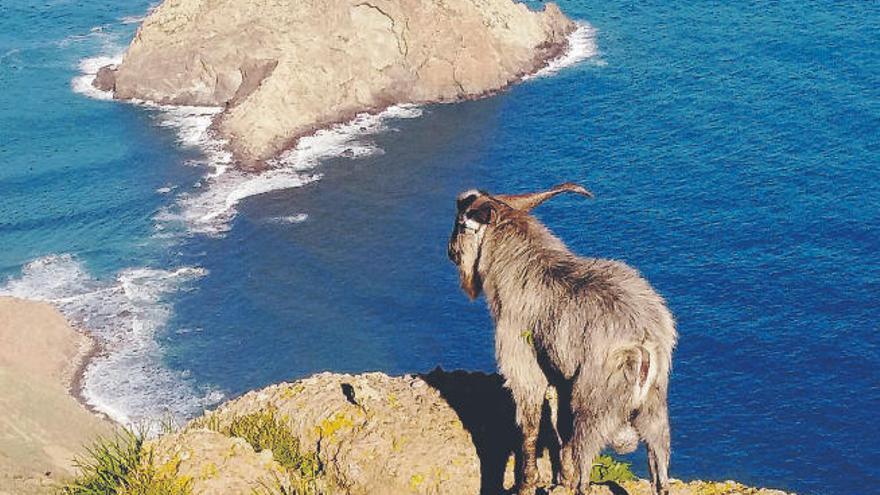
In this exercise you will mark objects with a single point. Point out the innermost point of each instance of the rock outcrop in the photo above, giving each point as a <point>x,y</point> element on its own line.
<point>216,463</point>
<point>283,69</point>
<point>440,433</point>
<point>371,433</point>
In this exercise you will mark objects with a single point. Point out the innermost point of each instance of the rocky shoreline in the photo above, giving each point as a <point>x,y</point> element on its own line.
<point>281,73</point>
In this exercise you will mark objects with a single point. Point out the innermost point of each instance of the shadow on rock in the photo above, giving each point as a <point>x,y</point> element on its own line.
<point>487,411</point>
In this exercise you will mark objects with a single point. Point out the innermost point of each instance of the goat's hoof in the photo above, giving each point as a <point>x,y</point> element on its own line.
<point>560,490</point>
<point>569,482</point>
<point>584,489</point>
<point>527,489</point>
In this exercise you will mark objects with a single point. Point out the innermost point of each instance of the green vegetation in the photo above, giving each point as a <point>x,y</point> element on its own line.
<point>122,466</point>
<point>262,430</point>
<point>606,468</point>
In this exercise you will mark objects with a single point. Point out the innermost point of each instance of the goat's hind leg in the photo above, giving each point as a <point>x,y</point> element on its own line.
<point>588,439</point>
<point>585,445</point>
<point>653,427</point>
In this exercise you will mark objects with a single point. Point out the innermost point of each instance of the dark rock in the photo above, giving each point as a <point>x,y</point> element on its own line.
<point>105,79</point>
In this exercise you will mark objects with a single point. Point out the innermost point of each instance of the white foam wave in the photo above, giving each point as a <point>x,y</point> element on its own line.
<point>133,19</point>
<point>193,128</point>
<point>111,52</point>
<point>88,68</point>
<point>137,19</point>
<point>581,46</point>
<point>128,382</point>
<point>210,208</point>
<point>211,204</point>
<point>298,218</point>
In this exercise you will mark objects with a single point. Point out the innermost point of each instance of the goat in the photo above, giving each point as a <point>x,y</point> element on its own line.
<point>592,328</point>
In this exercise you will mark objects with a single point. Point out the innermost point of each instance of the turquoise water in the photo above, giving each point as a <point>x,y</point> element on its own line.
<point>733,149</point>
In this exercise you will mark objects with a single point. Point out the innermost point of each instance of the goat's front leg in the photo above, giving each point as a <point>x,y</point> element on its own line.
<point>528,385</point>
<point>568,475</point>
<point>586,445</point>
<point>559,397</point>
<point>528,415</point>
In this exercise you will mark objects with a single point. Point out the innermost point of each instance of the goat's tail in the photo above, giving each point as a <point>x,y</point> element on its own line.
<point>639,365</point>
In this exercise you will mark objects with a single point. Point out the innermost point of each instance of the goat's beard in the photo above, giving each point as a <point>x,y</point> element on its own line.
<point>468,275</point>
<point>471,283</point>
<point>469,248</point>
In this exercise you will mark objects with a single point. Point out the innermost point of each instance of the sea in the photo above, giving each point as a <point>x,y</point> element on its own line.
<point>733,148</point>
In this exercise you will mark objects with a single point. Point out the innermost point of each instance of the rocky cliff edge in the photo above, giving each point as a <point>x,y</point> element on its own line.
<point>440,433</point>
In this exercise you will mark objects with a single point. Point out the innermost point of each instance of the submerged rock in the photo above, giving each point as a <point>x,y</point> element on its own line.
<point>283,69</point>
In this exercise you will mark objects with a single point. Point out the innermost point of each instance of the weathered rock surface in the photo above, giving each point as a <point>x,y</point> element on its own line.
<point>372,433</point>
<point>440,433</point>
<point>215,464</point>
<point>676,487</point>
<point>285,68</point>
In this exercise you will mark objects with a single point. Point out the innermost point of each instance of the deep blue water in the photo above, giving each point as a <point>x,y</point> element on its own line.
<point>733,149</point>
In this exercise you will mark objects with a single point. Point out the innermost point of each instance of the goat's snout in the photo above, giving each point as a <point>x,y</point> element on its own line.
<point>451,250</point>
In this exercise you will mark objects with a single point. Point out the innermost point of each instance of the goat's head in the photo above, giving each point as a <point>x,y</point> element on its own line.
<point>477,213</point>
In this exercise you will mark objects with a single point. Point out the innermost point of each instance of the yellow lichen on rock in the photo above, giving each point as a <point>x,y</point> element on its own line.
<point>699,487</point>
<point>364,442</point>
<point>330,426</point>
<point>215,463</point>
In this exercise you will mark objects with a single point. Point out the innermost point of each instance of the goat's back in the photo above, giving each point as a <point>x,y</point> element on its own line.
<point>601,305</point>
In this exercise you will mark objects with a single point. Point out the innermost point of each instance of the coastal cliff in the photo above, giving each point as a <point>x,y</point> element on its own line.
<point>369,434</point>
<point>438,433</point>
<point>450,433</point>
<point>284,69</point>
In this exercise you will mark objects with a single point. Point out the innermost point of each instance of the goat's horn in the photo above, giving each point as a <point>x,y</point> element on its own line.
<point>528,201</point>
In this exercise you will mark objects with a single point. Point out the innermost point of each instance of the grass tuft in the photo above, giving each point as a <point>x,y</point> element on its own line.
<point>606,468</point>
<point>121,465</point>
<point>263,431</point>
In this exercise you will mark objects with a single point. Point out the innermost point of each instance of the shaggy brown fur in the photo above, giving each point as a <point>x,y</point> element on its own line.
<point>592,328</point>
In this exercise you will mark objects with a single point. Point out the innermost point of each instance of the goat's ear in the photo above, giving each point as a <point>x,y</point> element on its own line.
<point>465,199</point>
<point>485,213</point>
